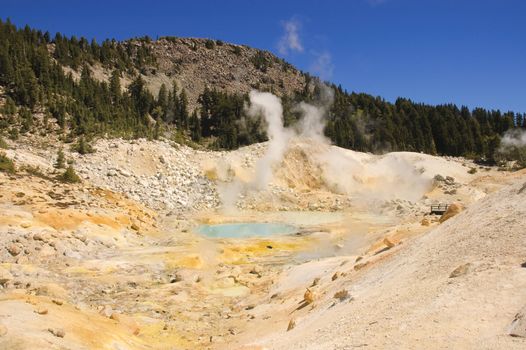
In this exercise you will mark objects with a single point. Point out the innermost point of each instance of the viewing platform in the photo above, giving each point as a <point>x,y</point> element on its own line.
<point>439,209</point>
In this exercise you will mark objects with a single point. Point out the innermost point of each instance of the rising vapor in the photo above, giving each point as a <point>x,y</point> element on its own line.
<point>290,41</point>
<point>322,65</point>
<point>269,106</point>
<point>342,171</point>
<point>513,138</point>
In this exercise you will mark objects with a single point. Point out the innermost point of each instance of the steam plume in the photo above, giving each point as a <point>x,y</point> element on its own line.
<point>513,138</point>
<point>343,171</point>
<point>290,39</point>
<point>322,65</point>
<point>269,106</point>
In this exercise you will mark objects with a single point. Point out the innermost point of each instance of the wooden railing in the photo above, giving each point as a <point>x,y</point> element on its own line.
<point>439,208</point>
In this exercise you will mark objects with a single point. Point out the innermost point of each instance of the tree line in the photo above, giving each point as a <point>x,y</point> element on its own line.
<point>34,80</point>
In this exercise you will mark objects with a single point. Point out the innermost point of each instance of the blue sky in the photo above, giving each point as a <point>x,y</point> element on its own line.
<point>469,52</point>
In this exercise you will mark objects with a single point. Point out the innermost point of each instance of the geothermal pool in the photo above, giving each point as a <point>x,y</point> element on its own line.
<point>245,229</point>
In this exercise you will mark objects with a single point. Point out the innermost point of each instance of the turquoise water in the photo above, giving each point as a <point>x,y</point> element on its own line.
<point>245,229</point>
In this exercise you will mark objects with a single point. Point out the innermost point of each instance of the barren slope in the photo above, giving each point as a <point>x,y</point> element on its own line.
<point>457,286</point>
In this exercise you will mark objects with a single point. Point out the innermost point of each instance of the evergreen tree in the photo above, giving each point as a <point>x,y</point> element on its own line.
<point>61,159</point>
<point>115,86</point>
<point>27,119</point>
<point>182,111</point>
<point>34,80</point>
<point>162,100</point>
<point>83,147</point>
<point>195,127</point>
<point>70,176</point>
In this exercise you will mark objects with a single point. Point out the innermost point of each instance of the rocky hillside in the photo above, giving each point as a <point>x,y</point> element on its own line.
<point>198,63</point>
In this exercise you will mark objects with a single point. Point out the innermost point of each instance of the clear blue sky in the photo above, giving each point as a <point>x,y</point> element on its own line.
<point>470,52</point>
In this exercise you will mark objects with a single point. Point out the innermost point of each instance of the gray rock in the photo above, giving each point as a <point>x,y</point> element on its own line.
<point>57,332</point>
<point>450,180</point>
<point>518,325</point>
<point>125,173</point>
<point>439,178</point>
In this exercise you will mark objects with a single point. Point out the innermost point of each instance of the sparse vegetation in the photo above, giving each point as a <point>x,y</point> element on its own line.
<point>260,61</point>
<point>13,134</point>
<point>34,171</point>
<point>83,147</point>
<point>210,44</point>
<point>3,143</point>
<point>61,159</point>
<point>472,171</point>
<point>512,154</point>
<point>70,176</point>
<point>6,164</point>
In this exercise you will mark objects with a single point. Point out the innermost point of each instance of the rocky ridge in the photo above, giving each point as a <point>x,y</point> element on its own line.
<point>198,63</point>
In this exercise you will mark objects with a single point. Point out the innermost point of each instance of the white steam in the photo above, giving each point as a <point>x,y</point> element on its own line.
<point>290,41</point>
<point>322,65</point>
<point>312,123</point>
<point>269,106</point>
<point>513,138</point>
<point>372,178</point>
<point>360,175</point>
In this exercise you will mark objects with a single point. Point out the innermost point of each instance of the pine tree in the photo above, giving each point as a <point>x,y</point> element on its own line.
<point>33,79</point>
<point>162,99</point>
<point>70,176</point>
<point>26,119</point>
<point>61,159</point>
<point>115,86</point>
<point>83,147</point>
<point>183,111</point>
<point>195,127</point>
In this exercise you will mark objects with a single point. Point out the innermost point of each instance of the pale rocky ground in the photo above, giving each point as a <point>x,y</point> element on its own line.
<point>114,263</point>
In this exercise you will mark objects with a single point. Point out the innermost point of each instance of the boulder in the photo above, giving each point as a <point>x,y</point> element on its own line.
<point>308,297</point>
<point>57,332</point>
<point>460,271</point>
<point>13,249</point>
<point>107,311</point>
<point>335,276</point>
<point>450,180</point>
<point>388,243</point>
<point>292,324</point>
<point>518,325</point>
<point>439,178</point>
<point>41,310</point>
<point>360,266</point>
<point>5,276</point>
<point>341,295</point>
<point>256,270</point>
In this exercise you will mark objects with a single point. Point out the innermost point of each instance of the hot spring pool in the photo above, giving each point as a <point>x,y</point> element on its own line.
<point>245,229</point>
